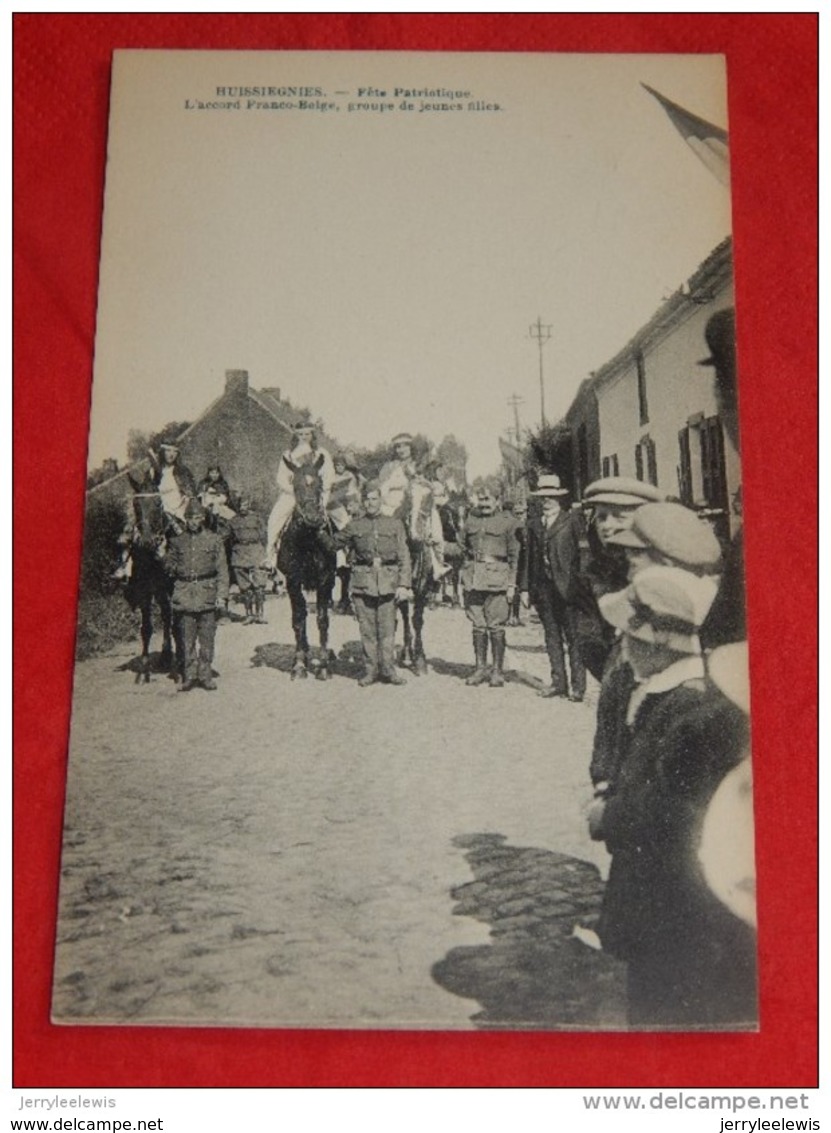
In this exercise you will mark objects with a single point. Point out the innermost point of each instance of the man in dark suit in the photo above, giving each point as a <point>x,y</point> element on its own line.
<point>552,581</point>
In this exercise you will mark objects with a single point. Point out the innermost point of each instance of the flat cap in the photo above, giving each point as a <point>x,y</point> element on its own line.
<point>623,491</point>
<point>675,532</point>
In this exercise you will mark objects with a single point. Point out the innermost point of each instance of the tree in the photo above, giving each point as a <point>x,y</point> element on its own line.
<point>549,451</point>
<point>453,455</point>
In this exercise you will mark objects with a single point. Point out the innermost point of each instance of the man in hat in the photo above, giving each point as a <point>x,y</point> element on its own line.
<point>381,577</point>
<point>305,449</point>
<point>552,581</point>
<point>488,576</point>
<point>173,481</point>
<point>658,914</point>
<point>610,505</point>
<point>726,621</point>
<point>196,562</point>
<point>668,534</point>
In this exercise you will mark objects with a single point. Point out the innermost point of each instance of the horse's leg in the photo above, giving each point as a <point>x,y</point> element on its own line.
<point>324,601</point>
<point>419,659</point>
<point>146,634</point>
<point>299,610</point>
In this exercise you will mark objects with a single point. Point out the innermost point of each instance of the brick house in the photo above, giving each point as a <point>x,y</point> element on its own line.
<point>245,431</point>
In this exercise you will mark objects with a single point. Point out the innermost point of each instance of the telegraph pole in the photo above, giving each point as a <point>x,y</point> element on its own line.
<point>515,401</point>
<point>541,332</point>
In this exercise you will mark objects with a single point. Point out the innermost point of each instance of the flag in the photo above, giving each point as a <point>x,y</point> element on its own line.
<point>708,142</point>
<point>512,456</point>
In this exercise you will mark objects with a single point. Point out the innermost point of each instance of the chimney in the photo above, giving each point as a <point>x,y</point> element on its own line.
<point>236,381</point>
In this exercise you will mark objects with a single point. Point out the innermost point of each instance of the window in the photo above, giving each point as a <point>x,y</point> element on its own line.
<point>643,404</point>
<point>609,466</point>
<point>582,456</point>
<point>685,483</point>
<point>702,473</point>
<point>713,471</point>
<point>646,461</point>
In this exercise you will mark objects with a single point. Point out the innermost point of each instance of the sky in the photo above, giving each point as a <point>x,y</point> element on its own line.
<point>383,267</point>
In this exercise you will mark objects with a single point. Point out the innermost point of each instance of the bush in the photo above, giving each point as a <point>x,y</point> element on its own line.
<point>104,617</point>
<point>104,620</point>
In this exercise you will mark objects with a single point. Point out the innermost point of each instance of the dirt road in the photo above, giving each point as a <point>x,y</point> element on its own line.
<point>316,854</point>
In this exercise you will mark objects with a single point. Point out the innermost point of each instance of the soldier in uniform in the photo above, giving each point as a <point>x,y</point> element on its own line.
<point>381,576</point>
<point>248,560</point>
<point>489,581</point>
<point>196,562</point>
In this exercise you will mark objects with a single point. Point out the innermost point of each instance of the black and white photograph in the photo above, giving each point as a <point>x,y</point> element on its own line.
<point>411,683</point>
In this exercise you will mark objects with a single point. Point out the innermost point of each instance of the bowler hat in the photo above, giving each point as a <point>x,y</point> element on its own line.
<point>720,333</point>
<point>675,532</point>
<point>622,491</point>
<point>662,605</point>
<point>549,485</point>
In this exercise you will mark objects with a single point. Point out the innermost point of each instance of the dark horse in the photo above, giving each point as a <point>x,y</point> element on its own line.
<point>149,581</point>
<point>418,519</point>
<point>307,560</point>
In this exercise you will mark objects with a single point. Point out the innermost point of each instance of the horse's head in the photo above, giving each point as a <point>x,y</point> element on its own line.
<point>308,490</point>
<point>149,515</point>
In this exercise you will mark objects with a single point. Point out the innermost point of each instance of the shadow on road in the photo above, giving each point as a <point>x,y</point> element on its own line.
<point>275,655</point>
<point>534,974</point>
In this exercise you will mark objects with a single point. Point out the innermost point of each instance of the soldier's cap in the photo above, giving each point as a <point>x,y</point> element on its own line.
<point>663,606</point>
<point>549,485</point>
<point>727,669</point>
<point>484,494</point>
<point>371,486</point>
<point>298,425</point>
<point>171,446</point>
<point>621,491</point>
<point>194,509</point>
<point>402,439</point>
<point>720,334</point>
<point>674,531</point>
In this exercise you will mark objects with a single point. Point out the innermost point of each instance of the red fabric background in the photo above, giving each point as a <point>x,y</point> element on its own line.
<point>61,78</point>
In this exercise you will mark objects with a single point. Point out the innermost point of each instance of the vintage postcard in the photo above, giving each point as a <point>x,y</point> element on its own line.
<point>411,687</point>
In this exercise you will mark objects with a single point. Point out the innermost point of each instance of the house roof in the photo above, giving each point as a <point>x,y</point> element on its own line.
<point>713,273</point>
<point>280,411</point>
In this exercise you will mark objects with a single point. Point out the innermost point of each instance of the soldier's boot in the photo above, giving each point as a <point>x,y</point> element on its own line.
<point>498,646</point>
<point>259,607</point>
<point>480,652</point>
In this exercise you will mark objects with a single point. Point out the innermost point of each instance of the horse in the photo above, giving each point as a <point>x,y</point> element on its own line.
<point>452,516</point>
<point>148,581</point>
<point>418,519</point>
<point>307,559</point>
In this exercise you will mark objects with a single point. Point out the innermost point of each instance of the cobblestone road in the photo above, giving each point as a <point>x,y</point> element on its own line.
<point>307,853</point>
